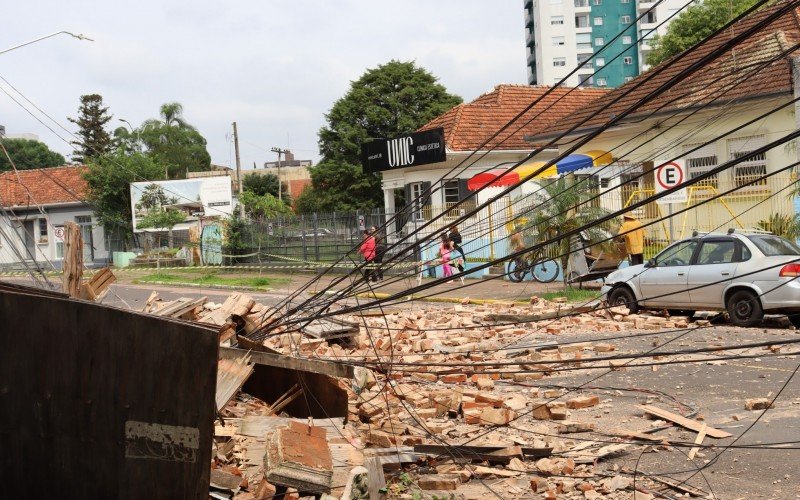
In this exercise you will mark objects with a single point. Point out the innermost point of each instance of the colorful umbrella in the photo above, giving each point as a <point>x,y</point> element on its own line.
<point>570,163</point>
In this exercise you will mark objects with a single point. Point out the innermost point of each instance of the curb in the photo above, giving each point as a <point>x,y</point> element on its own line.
<point>196,285</point>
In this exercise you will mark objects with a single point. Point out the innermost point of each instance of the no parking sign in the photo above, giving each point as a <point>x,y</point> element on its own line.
<point>668,176</point>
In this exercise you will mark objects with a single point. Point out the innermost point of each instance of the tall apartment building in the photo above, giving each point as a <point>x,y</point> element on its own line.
<point>561,34</point>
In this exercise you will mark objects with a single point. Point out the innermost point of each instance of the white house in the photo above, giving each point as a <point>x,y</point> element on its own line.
<point>467,128</point>
<point>35,205</point>
<point>731,92</point>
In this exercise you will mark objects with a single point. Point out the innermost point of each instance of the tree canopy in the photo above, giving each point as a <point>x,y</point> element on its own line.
<point>172,142</point>
<point>108,180</point>
<point>393,99</point>
<point>27,154</point>
<point>693,25</point>
<point>94,139</point>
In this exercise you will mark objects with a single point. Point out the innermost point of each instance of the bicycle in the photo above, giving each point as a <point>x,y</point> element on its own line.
<point>542,268</point>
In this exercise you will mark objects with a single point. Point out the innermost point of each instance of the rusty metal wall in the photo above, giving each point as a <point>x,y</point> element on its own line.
<point>97,402</point>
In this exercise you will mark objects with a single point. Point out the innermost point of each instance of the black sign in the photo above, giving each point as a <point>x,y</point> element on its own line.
<point>419,148</point>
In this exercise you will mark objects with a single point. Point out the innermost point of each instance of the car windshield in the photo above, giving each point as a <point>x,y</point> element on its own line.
<point>774,245</point>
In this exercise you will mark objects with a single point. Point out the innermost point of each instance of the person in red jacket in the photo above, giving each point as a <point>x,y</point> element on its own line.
<point>367,250</point>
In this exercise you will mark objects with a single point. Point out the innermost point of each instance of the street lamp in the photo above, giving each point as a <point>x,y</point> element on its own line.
<point>79,37</point>
<point>138,136</point>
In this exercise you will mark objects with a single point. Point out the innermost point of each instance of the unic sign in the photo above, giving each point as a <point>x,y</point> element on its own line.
<point>419,148</point>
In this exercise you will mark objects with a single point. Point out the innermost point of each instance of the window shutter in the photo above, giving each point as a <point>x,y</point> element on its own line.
<point>426,194</point>
<point>407,190</point>
<point>463,190</point>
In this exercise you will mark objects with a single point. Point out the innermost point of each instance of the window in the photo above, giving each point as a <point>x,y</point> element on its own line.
<point>559,61</point>
<point>600,61</point>
<point>679,254</point>
<point>584,41</point>
<point>598,21</point>
<point>581,3</point>
<point>585,80</point>
<point>627,60</point>
<point>42,230</point>
<point>597,2</point>
<point>747,173</point>
<point>581,21</point>
<point>416,199</point>
<point>650,17</point>
<point>556,19</point>
<point>627,79</point>
<point>599,41</point>
<point>450,192</point>
<point>583,58</point>
<point>624,1</point>
<point>716,252</point>
<point>626,40</point>
<point>558,40</point>
<point>701,161</point>
<point>601,82</point>
<point>772,245</point>
<point>625,19</point>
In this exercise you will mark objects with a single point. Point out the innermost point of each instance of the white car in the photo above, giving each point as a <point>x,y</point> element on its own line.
<point>746,274</point>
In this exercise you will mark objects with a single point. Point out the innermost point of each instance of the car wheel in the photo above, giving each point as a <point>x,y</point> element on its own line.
<point>623,296</point>
<point>744,308</point>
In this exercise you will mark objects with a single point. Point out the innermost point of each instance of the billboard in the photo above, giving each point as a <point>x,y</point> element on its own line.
<point>419,148</point>
<point>197,198</point>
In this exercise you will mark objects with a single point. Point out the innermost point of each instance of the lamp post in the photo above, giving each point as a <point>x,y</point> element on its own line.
<point>138,136</point>
<point>79,37</point>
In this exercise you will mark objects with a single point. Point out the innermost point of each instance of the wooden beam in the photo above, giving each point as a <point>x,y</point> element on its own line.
<point>694,425</point>
<point>291,363</point>
<point>72,264</point>
<point>698,440</point>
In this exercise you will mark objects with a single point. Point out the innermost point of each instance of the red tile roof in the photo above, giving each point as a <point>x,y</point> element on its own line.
<point>467,126</point>
<point>43,186</point>
<point>740,73</point>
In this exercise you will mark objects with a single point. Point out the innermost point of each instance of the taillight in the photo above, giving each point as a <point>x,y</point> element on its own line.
<point>790,271</point>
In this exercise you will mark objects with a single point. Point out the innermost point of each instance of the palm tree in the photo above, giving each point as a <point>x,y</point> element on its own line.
<point>566,207</point>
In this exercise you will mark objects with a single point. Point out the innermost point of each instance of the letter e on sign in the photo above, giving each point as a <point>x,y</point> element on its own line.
<point>668,176</point>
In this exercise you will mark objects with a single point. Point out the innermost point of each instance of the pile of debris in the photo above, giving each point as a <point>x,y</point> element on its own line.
<point>485,417</point>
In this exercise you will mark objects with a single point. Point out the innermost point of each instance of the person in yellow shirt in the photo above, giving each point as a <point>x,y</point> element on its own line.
<point>632,232</point>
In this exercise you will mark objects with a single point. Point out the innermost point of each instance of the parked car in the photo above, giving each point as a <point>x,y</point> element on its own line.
<point>319,233</point>
<point>746,274</point>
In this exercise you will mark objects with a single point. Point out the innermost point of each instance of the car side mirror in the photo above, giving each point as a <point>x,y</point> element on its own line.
<point>650,263</point>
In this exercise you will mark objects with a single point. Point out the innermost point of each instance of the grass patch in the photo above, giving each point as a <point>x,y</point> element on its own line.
<point>572,295</point>
<point>258,282</point>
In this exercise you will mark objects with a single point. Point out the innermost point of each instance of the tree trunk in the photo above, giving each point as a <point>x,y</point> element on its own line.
<point>170,240</point>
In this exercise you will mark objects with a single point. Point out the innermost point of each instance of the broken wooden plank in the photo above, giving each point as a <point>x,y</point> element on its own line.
<point>99,282</point>
<point>292,363</point>
<point>680,486</point>
<point>698,440</point>
<point>483,453</point>
<point>231,376</point>
<point>375,476</point>
<point>72,263</point>
<point>694,425</point>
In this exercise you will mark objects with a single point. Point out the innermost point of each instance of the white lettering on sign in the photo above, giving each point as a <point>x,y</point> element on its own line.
<point>668,176</point>
<point>399,152</point>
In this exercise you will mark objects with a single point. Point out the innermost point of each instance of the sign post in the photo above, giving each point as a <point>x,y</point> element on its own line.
<point>668,176</point>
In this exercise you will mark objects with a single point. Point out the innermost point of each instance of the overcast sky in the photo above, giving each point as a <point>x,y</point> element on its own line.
<point>274,66</point>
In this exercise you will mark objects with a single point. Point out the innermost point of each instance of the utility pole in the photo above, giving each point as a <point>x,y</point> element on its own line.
<point>238,168</point>
<point>280,182</point>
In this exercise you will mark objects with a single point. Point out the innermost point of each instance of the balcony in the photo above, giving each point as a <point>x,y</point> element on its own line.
<point>645,5</point>
<point>528,3</point>
<point>531,59</point>
<point>528,19</point>
<point>584,47</point>
<point>530,39</point>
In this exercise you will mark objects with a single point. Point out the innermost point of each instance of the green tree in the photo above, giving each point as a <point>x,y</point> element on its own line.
<point>108,179</point>
<point>263,206</point>
<point>94,141</point>
<point>27,154</point>
<point>261,184</point>
<point>393,99</point>
<point>163,219</point>
<point>560,210</point>
<point>694,24</point>
<point>153,196</point>
<point>174,143</point>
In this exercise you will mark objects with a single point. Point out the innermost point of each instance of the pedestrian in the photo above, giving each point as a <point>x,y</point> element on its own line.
<point>380,249</point>
<point>632,233</point>
<point>444,255</point>
<point>455,238</point>
<point>367,250</point>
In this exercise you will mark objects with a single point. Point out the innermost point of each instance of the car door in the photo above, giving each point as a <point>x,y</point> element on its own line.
<point>664,283</point>
<point>714,267</point>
